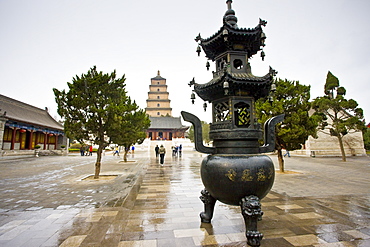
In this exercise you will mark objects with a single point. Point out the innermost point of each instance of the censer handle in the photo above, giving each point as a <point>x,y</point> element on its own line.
<point>269,128</point>
<point>198,135</point>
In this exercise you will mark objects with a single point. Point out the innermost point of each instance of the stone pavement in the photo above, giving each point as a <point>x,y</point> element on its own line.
<point>44,202</point>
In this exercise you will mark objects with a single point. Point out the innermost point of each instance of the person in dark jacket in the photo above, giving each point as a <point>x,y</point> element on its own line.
<point>162,153</point>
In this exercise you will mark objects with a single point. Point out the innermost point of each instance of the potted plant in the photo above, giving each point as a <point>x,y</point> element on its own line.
<point>63,147</point>
<point>37,147</point>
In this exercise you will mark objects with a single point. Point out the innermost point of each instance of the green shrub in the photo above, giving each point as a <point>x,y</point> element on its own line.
<point>78,150</point>
<point>76,146</point>
<point>367,139</point>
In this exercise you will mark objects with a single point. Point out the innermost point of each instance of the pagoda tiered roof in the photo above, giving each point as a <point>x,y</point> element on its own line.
<point>249,40</point>
<point>239,84</point>
<point>228,46</point>
<point>158,77</point>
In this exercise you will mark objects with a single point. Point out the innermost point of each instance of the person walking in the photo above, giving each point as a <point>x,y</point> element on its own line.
<point>156,149</point>
<point>180,150</point>
<point>82,151</point>
<point>90,150</point>
<point>162,152</point>
<point>287,153</point>
<point>116,151</point>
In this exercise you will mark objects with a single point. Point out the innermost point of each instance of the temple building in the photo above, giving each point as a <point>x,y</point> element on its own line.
<point>163,125</point>
<point>23,126</point>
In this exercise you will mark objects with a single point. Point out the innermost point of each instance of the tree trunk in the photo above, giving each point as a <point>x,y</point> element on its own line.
<point>340,139</point>
<point>98,161</point>
<point>278,147</point>
<point>125,154</point>
<point>281,160</point>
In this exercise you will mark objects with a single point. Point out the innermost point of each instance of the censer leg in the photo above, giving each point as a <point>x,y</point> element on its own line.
<point>209,206</point>
<point>251,211</point>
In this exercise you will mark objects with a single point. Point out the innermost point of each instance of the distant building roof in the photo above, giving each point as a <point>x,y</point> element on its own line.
<point>166,123</point>
<point>21,112</point>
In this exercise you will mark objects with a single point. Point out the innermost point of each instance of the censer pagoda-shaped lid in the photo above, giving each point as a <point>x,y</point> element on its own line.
<point>230,48</point>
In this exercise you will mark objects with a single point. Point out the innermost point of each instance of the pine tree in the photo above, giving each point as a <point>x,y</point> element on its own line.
<point>291,99</point>
<point>94,108</point>
<point>339,115</point>
<point>205,132</point>
<point>131,127</point>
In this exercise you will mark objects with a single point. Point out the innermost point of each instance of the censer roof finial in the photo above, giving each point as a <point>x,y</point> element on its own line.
<point>229,4</point>
<point>229,16</point>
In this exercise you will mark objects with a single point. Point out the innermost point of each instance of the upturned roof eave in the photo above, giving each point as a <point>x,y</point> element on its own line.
<point>231,31</point>
<point>235,35</point>
<point>246,78</point>
<point>216,84</point>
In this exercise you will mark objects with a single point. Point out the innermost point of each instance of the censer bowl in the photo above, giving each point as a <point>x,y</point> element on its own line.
<point>229,178</point>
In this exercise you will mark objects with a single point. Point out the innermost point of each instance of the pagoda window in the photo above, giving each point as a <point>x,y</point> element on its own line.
<point>158,105</point>
<point>158,113</point>
<point>158,97</point>
<point>238,64</point>
<point>221,111</point>
<point>158,90</point>
<point>242,114</point>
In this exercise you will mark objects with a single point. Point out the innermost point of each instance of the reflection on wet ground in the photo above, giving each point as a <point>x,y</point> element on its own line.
<point>325,203</point>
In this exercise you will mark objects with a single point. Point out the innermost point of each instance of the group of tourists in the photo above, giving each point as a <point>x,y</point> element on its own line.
<point>86,150</point>
<point>177,150</point>
<point>116,150</point>
<point>161,152</point>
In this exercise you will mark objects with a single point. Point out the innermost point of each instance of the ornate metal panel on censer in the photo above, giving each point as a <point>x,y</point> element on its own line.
<point>235,172</point>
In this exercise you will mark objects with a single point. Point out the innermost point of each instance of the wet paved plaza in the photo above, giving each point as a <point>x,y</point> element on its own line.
<point>45,202</point>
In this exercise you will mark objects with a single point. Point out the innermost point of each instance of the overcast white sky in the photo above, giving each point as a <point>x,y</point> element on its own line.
<point>44,43</point>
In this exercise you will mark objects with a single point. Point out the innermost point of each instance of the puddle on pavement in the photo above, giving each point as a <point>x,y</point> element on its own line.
<point>101,178</point>
<point>288,172</point>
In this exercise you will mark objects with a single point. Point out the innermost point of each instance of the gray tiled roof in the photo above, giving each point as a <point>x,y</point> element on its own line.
<point>166,123</point>
<point>25,113</point>
<point>158,77</point>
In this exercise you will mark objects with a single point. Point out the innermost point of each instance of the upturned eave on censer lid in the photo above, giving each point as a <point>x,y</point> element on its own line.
<point>240,84</point>
<point>231,37</point>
